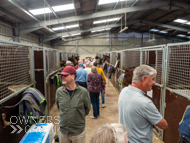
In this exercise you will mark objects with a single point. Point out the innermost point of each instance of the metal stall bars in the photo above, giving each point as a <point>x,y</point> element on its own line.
<point>177,96</point>
<point>52,59</point>
<point>16,69</point>
<point>154,56</point>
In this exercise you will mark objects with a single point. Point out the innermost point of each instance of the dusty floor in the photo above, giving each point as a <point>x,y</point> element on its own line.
<point>107,115</point>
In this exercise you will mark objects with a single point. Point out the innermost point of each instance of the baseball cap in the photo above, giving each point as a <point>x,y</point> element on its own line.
<point>68,70</point>
<point>80,64</point>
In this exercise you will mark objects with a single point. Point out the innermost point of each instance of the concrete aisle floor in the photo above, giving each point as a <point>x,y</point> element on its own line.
<point>107,115</point>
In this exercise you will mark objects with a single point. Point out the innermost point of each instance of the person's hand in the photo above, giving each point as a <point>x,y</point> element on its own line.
<point>103,91</point>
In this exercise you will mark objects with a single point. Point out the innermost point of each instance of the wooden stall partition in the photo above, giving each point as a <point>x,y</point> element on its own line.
<point>175,107</point>
<point>12,115</point>
<point>39,71</point>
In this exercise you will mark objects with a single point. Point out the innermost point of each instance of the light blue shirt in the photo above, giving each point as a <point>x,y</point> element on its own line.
<point>138,114</point>
<point>81,75</point>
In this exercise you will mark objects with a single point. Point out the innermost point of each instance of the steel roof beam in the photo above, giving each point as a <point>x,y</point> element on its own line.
<point>54,36</point>
<point>78,38</point>
<point>166,26</point>
<point>91,16</point>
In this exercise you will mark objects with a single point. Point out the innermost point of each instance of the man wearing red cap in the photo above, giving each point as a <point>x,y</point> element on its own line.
<point>73,102</point>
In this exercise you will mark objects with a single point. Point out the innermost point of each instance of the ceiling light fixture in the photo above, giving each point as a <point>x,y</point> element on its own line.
<point>180,21</point>
<point>67,27</point>
<point>102,2</point>
<point>154,30</point>
<point>106,20</point>
<point>163,32</point>
<point>181,35</point>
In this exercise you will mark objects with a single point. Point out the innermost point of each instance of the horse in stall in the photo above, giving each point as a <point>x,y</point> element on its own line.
<point>128,75</point>
<point>106,58</point>
<point>72,59</point>
<point>62,63</point>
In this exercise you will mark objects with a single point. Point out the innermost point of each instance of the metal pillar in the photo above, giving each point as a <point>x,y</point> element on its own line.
<point>110,39</point>
<point>41,41</point>
<point>16,33</point>
<point>142,40</point>
<point>77,50</point>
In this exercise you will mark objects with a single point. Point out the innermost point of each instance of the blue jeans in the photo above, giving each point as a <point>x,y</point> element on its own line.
<point>102,97</point>
<point>95,103</point>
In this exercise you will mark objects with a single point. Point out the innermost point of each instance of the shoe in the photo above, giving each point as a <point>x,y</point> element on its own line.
<point>103,105</point>
<point>92,117</point>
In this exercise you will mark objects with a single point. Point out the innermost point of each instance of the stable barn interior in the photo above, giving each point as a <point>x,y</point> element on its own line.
<point>127,33</point>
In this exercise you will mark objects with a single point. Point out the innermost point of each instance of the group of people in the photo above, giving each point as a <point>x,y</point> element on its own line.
<point>82,86</point>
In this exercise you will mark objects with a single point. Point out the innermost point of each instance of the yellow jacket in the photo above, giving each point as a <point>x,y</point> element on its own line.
<point>99,70</point>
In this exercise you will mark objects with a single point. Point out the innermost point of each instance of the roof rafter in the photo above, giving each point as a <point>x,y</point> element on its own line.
<point>40,24</point>
<point>166,26</point>
<point>54,36</point>
<point>82,37</point>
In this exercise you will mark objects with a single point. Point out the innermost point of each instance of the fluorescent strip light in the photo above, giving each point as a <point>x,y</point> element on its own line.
<point>163,32</point>
<point>66,36</point>
<point>101,2</point>
<point>68,27</point>
<point>180,20</point>
<point>40,11</point>
<point>106,20</point>
<point>72,26</point>
<point>63,7</point>
<point>188,37</point>
<point>154,30</point>
<point>75,34</point>
<point>181,35</point>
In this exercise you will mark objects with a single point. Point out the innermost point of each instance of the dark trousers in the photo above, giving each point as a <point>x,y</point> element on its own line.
<point>83,84</point>
<point>95,103</point>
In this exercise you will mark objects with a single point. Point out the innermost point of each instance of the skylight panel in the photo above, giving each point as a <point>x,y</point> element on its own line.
<point>68,27</point>
<point>40,11</point>
<point>55,8</point>
<point>181,35</point>
<point>63,7</point>
<point>163,32</point>
<point>106,20</point>
<point>154,30</point>
<point>102,2</point>
<point>180,20</point>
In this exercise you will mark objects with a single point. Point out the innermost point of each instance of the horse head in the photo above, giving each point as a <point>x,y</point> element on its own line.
<point>128,76</point>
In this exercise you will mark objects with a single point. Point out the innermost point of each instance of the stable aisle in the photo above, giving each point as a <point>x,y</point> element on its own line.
<point>109,114</point>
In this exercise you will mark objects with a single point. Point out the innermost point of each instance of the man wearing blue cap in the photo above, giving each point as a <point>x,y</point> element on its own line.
<point>81,77</point>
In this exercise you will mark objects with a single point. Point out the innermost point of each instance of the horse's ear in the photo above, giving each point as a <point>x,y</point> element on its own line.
<point>126,69</point>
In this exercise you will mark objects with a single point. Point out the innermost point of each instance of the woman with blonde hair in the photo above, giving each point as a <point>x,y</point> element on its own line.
<point>110,133</point>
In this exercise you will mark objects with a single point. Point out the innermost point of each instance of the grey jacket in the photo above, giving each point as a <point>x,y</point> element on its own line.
<point>33,105</point>
<point>72,109</point>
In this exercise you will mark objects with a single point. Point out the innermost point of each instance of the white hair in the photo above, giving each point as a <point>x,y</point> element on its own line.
<point>93,69</point>
<point>143,70</point>
<point>120,132</point>
<point>110,133</point>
